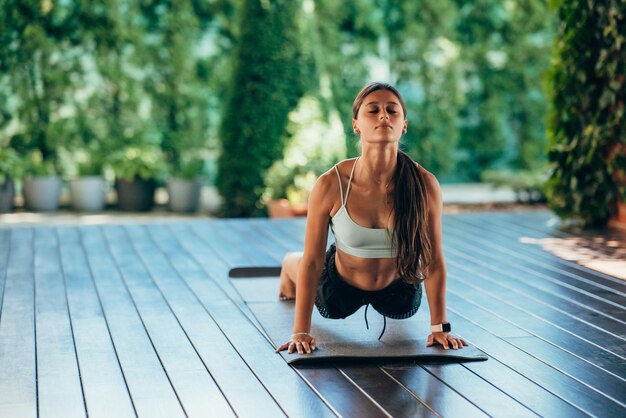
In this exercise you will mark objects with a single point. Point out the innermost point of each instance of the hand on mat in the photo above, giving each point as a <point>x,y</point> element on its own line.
<point>445,339</point>
<point>302,341</point>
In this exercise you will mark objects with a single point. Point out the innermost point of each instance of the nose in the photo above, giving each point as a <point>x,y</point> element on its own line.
<point>384,115</point>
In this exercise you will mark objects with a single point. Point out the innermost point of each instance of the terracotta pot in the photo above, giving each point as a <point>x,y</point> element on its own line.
<point>299,209</point>
<point>279,208</point>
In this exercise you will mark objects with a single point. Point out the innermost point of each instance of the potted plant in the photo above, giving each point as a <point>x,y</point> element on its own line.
<point>10,169</point>
<point>42,184</point>
<point>87,188</point>
<point>184,187</point>
<point>288,190</point>
<point>137,169</point>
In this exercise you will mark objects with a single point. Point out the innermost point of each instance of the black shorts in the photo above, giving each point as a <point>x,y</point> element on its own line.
<point>338,299</point>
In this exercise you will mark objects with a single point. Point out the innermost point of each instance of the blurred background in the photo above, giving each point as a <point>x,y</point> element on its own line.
<point>251,99</point>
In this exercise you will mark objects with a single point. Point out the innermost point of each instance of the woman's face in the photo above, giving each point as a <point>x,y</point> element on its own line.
<point>380,117</point>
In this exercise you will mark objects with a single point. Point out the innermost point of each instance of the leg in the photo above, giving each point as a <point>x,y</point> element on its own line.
<point>288,275</point>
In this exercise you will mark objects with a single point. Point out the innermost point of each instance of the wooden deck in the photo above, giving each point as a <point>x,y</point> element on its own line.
<point>141,320</point>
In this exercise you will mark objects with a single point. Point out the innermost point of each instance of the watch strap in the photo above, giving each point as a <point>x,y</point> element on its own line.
<point>444,327</point>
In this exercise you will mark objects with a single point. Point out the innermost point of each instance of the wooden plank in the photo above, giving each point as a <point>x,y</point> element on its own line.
<point>514,253</point>
<point>477,390</point>
<point>515,305</point>
<point>588,349</point>
<point>501,235</point>
<point>293,395</point>
<point>244,240</point>
<point>466,315</point>
<point>194,386</point>
<point>18,388</point>
<point>534,226</point>
<point>392,397</point>
<point>244,392</point>
<point>147,381</point>
<point>104,384</point>
<point>578,368</point>
<point>58,376</point>
<point>519,387</point>
<point>214,247</point>
<point>495,274</point>
<point>433,392</point>
<point>493,261</point>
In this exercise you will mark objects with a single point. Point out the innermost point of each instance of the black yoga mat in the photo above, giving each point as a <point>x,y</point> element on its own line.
<point>343,339</point>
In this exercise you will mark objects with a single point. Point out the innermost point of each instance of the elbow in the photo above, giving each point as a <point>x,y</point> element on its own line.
<point>435,269</point>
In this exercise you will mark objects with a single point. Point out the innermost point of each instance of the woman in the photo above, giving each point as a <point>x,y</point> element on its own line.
<point>385,213</point>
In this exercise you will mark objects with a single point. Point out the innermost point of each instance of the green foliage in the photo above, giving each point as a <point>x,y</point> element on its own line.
<point>266,85</point>
<point>587,123</point>
<point>314,145</point>
<point>179,93</point>
<point>11,165</point>
<point>37,166</point>
<point>189,168</point>
<point>146,162</point>
<point>39,63</point>
<point>470,71</point>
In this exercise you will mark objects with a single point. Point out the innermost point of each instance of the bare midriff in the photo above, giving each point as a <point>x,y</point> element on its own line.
<point>365,273</point>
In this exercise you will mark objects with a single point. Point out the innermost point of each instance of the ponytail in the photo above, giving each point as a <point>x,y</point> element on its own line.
<point>410,221</point>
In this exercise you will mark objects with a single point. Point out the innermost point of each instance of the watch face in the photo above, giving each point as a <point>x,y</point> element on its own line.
<point>446,327</point>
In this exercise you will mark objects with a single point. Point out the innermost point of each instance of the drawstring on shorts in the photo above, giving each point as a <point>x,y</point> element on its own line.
<point>384,322</point>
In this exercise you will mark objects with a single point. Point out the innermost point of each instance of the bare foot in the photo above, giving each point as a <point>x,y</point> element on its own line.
<point>287,288</point>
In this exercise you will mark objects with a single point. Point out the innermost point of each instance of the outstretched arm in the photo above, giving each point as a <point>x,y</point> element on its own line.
<point>311,266</point>
<point>435,282</point>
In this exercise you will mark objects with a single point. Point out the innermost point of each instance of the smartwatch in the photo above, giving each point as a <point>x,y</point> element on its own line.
<point>445,327</point>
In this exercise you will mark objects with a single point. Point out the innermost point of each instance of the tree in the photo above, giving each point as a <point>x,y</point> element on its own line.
<point>39,65</point>
<point>178,95</point>
<point>587,114</point>
<point>266,85</point>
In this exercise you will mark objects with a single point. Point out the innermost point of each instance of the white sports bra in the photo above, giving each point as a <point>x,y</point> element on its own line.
<point>355,239</point>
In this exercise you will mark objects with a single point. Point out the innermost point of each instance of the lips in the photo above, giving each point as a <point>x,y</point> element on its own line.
<point>384,125</point>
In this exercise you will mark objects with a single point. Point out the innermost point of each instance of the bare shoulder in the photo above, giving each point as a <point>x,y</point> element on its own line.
<point>326,190</point>
<point>433,188</point>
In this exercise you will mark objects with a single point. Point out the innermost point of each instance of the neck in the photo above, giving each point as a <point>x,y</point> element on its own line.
<point>377,165</point>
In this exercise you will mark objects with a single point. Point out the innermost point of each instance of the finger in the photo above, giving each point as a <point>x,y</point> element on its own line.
<point>445,344</point>
<point>306,347</point>
<point>291,346</point>
<point>282,347</point>
<point>313,344</point>
<point>430,340</point>
<point>465,342</point>
<point>460,341</point>
<point>454,344</point>
<point>299,347</point>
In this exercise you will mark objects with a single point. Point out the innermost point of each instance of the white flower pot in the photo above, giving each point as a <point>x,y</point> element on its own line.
<point>184,194</point>
<point>87,193</point>
<point>42,194</point>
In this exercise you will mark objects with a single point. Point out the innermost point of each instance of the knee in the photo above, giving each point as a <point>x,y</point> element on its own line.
<point>291,258</point>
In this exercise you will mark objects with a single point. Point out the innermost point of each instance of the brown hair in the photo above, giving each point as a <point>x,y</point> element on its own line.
<point>410,204</point>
